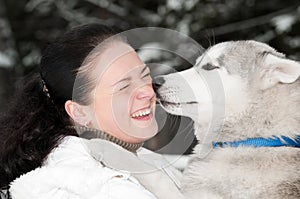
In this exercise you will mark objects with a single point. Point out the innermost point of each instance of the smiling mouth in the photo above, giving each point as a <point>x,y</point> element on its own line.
<point>142,114</point>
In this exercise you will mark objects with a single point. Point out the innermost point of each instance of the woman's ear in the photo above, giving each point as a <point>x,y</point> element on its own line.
<point>77,112</point>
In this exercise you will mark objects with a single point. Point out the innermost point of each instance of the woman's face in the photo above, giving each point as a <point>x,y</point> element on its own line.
<point>123,101</point>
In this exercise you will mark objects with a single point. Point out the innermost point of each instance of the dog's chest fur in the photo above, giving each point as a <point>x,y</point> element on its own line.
<point>245,173</point>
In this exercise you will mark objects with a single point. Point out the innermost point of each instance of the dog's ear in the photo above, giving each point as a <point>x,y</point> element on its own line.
<point>279,70</point>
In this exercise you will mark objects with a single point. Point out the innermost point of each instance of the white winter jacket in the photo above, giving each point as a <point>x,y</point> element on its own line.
<point>71,172</point>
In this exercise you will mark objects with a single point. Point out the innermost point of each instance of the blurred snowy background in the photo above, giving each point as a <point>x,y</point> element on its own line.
<point>26,26</point>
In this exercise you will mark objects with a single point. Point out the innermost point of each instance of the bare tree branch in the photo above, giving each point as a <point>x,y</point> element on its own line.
<point>250,23</point>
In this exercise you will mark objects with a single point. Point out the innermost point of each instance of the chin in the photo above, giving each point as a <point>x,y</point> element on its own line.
<point>149,132</point>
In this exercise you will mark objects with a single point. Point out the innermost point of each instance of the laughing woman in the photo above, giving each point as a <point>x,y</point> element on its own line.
<point>76,128</point>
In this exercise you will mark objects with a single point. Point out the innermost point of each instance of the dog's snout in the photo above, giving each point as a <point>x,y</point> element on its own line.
<point>158,82</point>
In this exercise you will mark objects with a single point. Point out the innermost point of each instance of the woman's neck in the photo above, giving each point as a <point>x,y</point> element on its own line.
<point>91,133</point>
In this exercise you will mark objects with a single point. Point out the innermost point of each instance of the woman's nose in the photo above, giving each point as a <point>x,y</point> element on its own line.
<point>145,92</point>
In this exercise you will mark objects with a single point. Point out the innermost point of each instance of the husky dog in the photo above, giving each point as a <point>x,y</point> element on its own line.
<point>244,98</point>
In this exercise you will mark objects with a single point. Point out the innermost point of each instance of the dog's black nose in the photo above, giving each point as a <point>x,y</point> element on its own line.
<point>158,82</point>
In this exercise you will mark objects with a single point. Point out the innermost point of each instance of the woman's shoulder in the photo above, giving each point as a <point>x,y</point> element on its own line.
<point>70,172</point>
<point>67,182</point>
<point>72,151</point>
<point>47,179</point>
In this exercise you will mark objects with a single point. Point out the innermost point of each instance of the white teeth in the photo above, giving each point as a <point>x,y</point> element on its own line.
<point>141,113</point>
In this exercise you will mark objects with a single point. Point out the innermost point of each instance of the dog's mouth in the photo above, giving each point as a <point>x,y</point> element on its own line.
<point>168,103</point>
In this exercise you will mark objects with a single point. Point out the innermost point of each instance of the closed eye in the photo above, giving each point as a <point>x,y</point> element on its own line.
<point>146,75</point>
<point>209,66</point>
<point>124,87</point>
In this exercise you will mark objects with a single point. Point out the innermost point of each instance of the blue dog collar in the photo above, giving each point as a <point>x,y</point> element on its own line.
<point>261,142</point>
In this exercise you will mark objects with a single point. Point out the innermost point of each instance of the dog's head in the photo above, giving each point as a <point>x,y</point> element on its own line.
<point>225,80</point>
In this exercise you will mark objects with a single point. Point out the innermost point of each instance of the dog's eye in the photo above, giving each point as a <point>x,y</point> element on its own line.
<point>209,67</point>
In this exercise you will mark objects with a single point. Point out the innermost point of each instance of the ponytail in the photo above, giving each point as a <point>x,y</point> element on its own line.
<point>31,128</point>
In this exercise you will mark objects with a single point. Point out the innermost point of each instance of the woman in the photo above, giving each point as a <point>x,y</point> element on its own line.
<point>90,85</point>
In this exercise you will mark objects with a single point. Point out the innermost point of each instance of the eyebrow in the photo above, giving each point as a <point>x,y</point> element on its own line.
<point>129,78</point>
<point>122,80</point>
<point>145,68</point>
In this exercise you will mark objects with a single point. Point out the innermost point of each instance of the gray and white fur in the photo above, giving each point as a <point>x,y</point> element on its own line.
<point>239,90</point>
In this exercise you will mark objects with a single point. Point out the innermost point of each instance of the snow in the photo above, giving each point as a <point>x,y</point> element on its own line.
<point>5,61</point>
<point>283,23</point>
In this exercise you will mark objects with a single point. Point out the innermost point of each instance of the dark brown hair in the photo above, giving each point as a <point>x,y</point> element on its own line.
<point>36,122</point>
